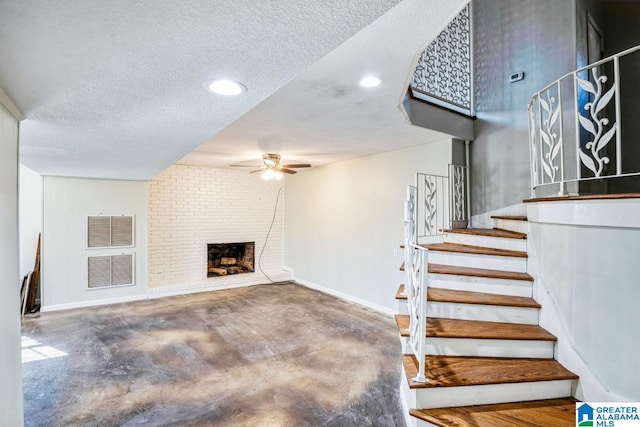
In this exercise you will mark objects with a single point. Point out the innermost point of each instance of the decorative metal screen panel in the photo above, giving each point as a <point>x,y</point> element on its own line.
<point>109,231</point>
<point>444,68</point>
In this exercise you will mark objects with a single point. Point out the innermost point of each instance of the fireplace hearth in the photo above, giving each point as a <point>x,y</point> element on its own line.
<point>230,258</point>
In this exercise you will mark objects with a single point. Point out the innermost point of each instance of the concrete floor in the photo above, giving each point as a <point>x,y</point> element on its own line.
<point>268,355</point>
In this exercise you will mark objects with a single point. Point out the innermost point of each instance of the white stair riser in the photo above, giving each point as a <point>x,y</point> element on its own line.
<point>490,262</point>
<point>422,423</point>
<point>522,288</point>
<point>439,397</point>
<point>489,313</point>
<point>408,397</point>
<point>487,241</point>
<point>485,347</point>
<point>402,306</point>
<point>512,225</point>
<point>405,345</point>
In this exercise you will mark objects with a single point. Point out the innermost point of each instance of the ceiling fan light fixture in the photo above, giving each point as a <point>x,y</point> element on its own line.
<point>271,174</point>
<point>271,160</point>
<point>370,81</point>
<point>226,87</point>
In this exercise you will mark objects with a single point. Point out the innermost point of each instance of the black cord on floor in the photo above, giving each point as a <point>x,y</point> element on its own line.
<point>266,239</point>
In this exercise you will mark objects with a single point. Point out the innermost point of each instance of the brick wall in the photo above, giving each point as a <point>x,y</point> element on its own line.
<point>191,206</point>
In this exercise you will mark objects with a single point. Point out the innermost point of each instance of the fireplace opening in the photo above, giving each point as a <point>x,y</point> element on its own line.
<point>230,258</point>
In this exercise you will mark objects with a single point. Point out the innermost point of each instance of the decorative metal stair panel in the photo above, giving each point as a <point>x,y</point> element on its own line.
<point>443,73</point>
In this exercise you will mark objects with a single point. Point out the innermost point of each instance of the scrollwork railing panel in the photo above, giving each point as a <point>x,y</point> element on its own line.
<point>458,180</point>
<point>415,282</point>
<point>595,123</point>
<point>593,149</point>
<point>550,132</point>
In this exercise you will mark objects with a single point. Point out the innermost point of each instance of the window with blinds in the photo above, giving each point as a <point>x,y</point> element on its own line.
<point>110,270</point>
<point>109,231</point>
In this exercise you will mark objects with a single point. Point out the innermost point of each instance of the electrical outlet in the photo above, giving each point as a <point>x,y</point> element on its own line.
<point>395,253</point>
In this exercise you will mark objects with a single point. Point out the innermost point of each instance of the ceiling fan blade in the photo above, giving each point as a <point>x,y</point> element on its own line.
<point>258,170</point>
<point>244,166</point>
<point>299,165</point>
<point>285,170</point>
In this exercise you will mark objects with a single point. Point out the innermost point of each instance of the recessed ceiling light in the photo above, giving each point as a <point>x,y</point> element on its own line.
<point>226,87</point>
<point>370,81</point>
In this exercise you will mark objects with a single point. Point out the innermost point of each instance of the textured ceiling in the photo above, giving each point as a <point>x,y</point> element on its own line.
<point>115,89</point>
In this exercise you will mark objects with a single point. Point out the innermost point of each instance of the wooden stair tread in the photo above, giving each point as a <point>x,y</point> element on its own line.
<point>510,217</point>
<point>476,329</point>
<point>477,272</point>
<point>478,250</point>
<point>536,413</point>
<point>453,371</point>
<point>491,232</point>
<point>468,297</point>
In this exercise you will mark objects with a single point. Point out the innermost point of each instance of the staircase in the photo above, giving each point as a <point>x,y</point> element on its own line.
<point>488,362</point>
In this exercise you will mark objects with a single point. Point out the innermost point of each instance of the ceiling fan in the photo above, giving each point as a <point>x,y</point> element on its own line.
<point>271,165</point>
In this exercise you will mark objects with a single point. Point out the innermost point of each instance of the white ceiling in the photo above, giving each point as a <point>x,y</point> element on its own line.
<point>115,89</point>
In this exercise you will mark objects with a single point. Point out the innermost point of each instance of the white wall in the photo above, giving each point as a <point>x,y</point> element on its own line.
<point>30,213</point>
<point>67,203</point>
<point>343,221</point>
<point>191,206</point>
<point>584,257</point>
<point>10,371</point>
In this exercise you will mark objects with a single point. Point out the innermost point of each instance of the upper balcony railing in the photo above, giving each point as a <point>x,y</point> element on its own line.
<point>576,125</point>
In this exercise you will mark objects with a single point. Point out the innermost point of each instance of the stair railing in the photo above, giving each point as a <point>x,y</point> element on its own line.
<point>575,125</point>
<point>441,202</point>
<point>433,204</point>
<point>416,265</point>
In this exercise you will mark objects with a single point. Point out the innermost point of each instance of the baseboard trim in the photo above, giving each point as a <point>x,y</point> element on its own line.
<point>215,285</point>
<point>92,303</point>
<point>172,292</point>
<point>344,296</point>
<point>168,291</point>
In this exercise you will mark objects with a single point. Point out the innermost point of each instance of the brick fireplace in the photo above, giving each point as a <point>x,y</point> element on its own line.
<point>230,258</point>
<point>191,206</point>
